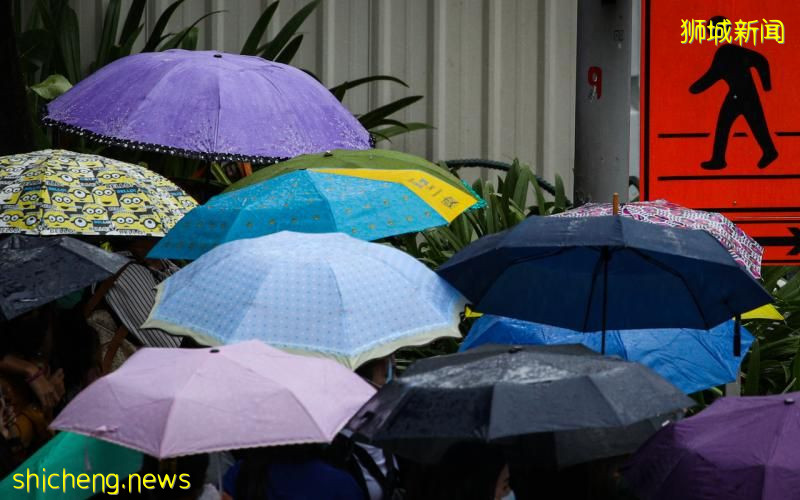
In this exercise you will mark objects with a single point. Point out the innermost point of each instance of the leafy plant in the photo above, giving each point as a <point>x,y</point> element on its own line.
<point>773,363</point>
<point>506,206</point>
<point>283,47</point>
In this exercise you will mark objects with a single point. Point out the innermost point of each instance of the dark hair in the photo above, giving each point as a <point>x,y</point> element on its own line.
<point>457,479</point>
<point>193,465</point>
<point>253,478</point>
<point>24,335</point>
<point>76,348</point>
<point>366,370</point>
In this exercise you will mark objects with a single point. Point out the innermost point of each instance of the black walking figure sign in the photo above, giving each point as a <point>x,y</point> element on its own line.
<point>732,64</point>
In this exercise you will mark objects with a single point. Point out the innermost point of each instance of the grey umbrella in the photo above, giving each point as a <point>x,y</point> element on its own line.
<point>546,405</point>
<point>35,270</point>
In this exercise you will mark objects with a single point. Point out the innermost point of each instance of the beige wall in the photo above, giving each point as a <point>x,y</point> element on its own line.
<point>498,76</point>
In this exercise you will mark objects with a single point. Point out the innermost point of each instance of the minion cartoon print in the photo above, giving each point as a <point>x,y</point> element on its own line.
<point>62,192</point>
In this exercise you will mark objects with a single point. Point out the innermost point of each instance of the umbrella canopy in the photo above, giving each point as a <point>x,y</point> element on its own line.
<point>366,194</point>
<point>35,271</point>
<point>172,402</point>
<point>322,294</point>
<point>75,454</point>
<point>744,249</point>
<point>742,448</point>
<point>54,192</point>
<point>208,105</point>
<point>692,360</point>
<point>556,404</point>
<point>604,273</point>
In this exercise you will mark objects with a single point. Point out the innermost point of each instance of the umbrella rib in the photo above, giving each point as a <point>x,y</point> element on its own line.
<point>777,438</point>
<point>591,294</point>
<point>325,200</point>
<point>679,276</point>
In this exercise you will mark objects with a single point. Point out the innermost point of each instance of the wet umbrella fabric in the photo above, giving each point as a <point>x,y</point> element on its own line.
<point>56,192</point>
<point>551,405</point>
<point>692,360</point>
<point>744,249</point>
<point>36,270</point>
<point>741,448</point>
<point>604,273</point>
<point>327,295</point>
<point>208,105</point>
<point>367,194</point>
<point>173,402</point>
<point>74,454</point>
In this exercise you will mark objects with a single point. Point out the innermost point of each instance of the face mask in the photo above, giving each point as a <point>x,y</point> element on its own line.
<point>510,496</point>
<point>70,300</point>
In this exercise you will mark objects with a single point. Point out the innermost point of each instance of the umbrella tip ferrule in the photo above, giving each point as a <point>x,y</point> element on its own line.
<point>788,401</point>
<point>218,56</point>
<point>514,349</point>
<point>213,350</point>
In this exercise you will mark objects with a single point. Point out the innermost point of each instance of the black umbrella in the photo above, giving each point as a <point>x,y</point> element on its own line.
<point>35,270</point>
<point>548,405</point>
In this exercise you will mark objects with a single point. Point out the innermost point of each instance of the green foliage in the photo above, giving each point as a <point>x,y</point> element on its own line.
<point>505,208</point>
<point>52,87</point>
<point>773,363</point>
<point>284,47</point>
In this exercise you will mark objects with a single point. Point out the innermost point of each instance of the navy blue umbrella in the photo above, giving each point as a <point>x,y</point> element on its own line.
<point>604,273</point>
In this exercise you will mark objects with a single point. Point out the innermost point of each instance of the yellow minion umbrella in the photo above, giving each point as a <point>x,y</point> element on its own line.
<point>55,192</point>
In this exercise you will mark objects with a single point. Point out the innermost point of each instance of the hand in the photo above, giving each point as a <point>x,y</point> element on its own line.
<point>48,389</point>
<point>8,419</point>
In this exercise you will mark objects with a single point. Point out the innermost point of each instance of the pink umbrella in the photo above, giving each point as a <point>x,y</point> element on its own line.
<point>173,402</point>
<point>742,248</point>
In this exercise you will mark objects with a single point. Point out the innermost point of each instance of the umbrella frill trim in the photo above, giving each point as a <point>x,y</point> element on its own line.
<point>159,148</point>
<point>215,449</point>
<point>350,361</point>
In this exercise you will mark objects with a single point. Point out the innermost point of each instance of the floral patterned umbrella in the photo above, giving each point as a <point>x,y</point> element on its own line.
<point>743,248</point>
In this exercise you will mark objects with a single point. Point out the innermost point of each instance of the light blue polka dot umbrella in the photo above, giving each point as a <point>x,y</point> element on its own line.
<point>329,295</point>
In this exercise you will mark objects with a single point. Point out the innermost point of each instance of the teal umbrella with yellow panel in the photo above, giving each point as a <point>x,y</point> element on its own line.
<point>369,195</point>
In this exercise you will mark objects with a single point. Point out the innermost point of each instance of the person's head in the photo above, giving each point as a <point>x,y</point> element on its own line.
<point>76,348</point>
<point>466,472</point>
<point>190,469</point>
<point>253,478</point>
<point>378,371</point>
<point>28,335</point>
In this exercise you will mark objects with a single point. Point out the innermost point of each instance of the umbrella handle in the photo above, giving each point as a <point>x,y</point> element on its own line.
<point>615,204</point>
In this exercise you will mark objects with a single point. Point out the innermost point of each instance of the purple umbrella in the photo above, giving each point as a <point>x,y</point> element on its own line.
<point>208,105</point>
<point>173,402</point>
<point>737,449</point>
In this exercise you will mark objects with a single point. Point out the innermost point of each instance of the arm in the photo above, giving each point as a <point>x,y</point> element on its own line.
<point>709,78</point>
<point>49,389</point>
